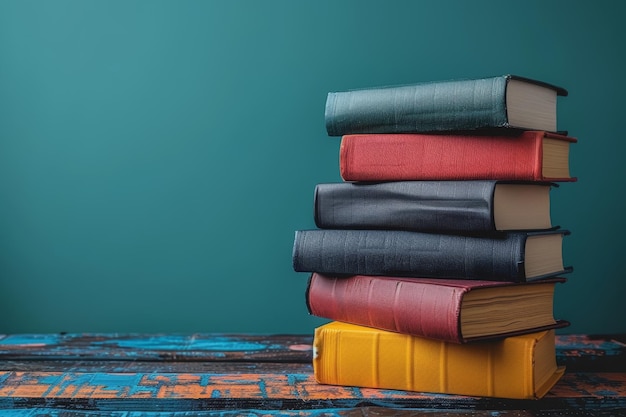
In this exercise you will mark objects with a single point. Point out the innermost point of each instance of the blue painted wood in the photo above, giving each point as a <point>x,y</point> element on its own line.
<point>109,391</point>
<point>165,366</point>
<point>338,412</point>
<point>577,352</point>
<point>206,347</point>
<point>593,353</point>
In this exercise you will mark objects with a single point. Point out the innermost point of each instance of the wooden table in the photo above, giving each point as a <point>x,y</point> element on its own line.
<point>171,375</point>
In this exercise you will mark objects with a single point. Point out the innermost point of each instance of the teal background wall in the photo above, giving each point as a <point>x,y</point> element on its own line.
<point>156,157</point>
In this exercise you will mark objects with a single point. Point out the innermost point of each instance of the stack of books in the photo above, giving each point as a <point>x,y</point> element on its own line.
<point>436,259</point>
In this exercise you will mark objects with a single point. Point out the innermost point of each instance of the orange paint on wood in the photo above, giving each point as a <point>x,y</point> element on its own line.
<point>256,386</point>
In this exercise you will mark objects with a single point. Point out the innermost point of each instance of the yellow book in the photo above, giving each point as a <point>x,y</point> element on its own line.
<point>521,367</point>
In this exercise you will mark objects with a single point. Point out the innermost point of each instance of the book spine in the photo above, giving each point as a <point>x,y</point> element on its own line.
<point>401,306</point>
<point>405,253</point>
<point>418,108</point>
<point>502,368</point>
<point>450,206</point>
<point>441,157</point>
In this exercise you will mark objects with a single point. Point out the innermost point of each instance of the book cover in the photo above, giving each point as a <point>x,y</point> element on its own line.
<point>514,256</point>
<point>518,367</point>
<point>456,311</point>
<point>528,156</point>
<point>438,206</point>
<point>506,101</point>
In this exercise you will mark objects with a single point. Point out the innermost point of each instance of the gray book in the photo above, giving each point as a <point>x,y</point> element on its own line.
<point>440,206</point>
<point>515,256</point>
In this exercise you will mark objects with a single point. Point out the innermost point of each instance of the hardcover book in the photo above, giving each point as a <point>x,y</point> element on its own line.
<point>518,367</point>
<point>456,311</point>
<point>514,256</point>
<point>506,101</point>
<point>439,206</point>
<point>527,156</point>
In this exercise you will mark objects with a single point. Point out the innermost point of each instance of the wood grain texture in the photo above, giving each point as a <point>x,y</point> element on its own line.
<point>204,374</point>
<point>196,347</point>
<point>335,412</point>
<point>577,352</point>
<point>592,352</point>
<point>176,391</point>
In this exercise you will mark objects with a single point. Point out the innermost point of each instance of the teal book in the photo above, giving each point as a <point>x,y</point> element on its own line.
<point>506,101</point>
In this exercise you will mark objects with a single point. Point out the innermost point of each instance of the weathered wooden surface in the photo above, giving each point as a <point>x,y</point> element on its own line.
<point>164,347</point>
<point>193,391</point>
<point>577,352</point>
<point>206,375</point>
<point>335,412</point>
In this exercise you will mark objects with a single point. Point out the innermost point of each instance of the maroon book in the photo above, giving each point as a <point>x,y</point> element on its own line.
<point>452,310</point>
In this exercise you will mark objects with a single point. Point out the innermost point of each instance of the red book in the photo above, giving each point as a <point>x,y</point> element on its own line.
<point>528,156</point>
<point>455,311</point>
